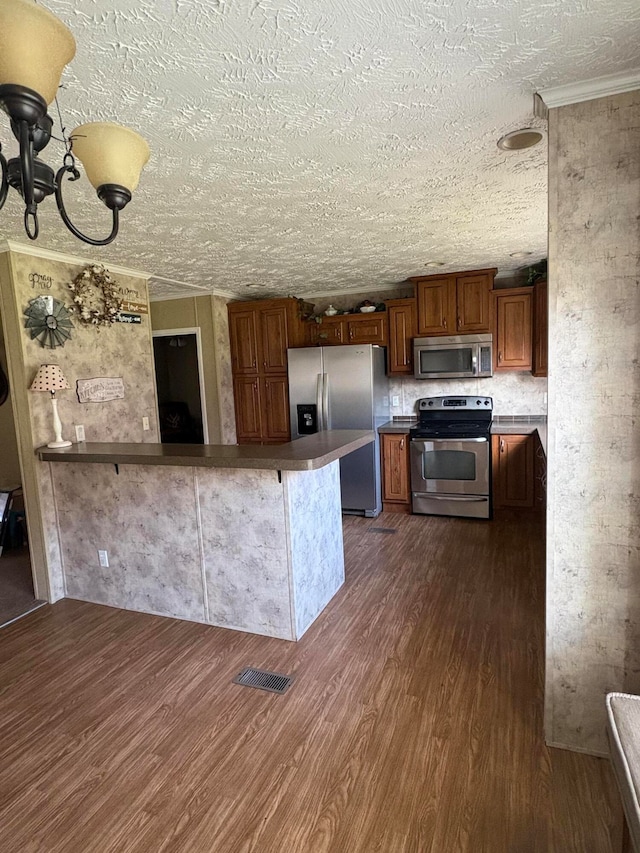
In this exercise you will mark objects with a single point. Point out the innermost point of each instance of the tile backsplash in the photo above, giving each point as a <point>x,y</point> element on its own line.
<point>512,393</point>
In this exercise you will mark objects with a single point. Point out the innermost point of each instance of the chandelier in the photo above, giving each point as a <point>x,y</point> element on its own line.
<point>35,46</point>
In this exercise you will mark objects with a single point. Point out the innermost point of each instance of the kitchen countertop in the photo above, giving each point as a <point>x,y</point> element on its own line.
<point>305,454</point>
<point>523,427</point>
<point>399,426</point>
<point>512,426</point>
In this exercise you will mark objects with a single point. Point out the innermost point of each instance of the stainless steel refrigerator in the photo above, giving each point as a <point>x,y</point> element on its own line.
<point>343,387</point>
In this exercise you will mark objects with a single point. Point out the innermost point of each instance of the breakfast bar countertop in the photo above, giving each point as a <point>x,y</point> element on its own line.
<point>305,454</point>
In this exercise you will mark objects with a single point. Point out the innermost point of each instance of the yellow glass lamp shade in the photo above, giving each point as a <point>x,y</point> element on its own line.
<point>35,46</point>
<point>110,153</point>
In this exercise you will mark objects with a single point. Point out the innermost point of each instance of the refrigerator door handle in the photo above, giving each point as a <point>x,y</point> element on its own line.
<point>319,412</point>
<point>325,401</point>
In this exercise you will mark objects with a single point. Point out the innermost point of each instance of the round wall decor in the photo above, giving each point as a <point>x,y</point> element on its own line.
<point>48,321</point>
<point>95,297</point>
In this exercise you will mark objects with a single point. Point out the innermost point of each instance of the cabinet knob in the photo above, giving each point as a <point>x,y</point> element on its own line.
<point>500,356</point>
<point>502,445</point>
<point>402,444</point>
<point>444,322</point>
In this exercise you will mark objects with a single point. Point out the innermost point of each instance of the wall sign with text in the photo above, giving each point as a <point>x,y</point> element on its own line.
<point>100,390</point>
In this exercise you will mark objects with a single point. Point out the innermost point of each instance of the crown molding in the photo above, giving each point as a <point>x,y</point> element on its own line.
<point>198,290</point>
<point>588,90</point>
<point>50,255</point>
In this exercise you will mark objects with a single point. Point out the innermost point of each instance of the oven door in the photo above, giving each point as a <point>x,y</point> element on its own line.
<point>451,476</point>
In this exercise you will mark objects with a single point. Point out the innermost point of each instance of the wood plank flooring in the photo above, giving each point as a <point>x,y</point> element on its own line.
<point>414,724</point>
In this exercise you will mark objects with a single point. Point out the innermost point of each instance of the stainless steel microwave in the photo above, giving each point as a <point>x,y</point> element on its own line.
<point>453,357</point>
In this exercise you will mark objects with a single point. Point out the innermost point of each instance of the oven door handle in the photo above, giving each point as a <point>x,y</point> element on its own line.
<point>447,440</point>
<point>455,498</point>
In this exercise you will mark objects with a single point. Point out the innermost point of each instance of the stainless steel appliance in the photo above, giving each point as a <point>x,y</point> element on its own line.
<point>451,457</point>
<point>453,357</point>
<point>343,387</point>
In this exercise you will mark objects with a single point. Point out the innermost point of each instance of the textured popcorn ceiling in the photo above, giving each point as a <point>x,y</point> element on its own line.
<point>301,147</point>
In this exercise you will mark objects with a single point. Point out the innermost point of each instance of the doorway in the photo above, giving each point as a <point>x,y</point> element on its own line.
<point>17,596</point>
<point>182,416</point>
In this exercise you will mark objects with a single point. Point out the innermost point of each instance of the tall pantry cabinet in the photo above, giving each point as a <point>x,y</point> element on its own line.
<point>260,333</point>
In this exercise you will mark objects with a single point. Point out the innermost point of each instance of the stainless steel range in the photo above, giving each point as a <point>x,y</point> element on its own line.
<point>451,457</point>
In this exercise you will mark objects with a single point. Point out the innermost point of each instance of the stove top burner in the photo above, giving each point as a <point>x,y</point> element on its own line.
<point>453,417</point>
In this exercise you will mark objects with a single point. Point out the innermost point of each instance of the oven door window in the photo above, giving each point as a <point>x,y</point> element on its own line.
<point>454,360</point>
<point>449,465</point>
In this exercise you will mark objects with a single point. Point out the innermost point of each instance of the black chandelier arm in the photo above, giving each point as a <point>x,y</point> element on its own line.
<point>73,176</point>
<point>4,181</point>
<point>25,137</point>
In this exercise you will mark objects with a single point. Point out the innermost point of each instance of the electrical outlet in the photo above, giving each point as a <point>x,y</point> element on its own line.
<point>79,432</point>
<point>103,556</point>
<point>145,423</point>
<point>395,400</point>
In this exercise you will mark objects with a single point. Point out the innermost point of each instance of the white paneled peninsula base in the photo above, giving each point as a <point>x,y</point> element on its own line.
<point>248,538</point>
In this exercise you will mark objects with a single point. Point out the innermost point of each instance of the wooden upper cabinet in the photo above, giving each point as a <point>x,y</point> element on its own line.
<point>436,300</point>
<point>540,328</point>
<point>401,323</point>
<point>348,329</point>
<point>275,339</point>
<point>473,300</point>
<point>512,343</point>
<point>331,331</point>
<point>367,328</point>
<point>244,341</point>
<point>459,303</point>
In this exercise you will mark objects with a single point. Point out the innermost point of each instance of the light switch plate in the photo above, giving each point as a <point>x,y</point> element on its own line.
<point>145,423</point>
<point>395,400</point>
<point>103,556</point>
<point>79,432</point>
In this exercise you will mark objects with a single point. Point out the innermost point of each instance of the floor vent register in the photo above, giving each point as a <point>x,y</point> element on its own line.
<point>264,680</point>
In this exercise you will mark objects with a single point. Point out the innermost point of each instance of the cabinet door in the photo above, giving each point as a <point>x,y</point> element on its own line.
<point>513,329</point>
<point>513,470</point>
<point>367,329</point>
<point>401,320</point>
<point>273,322</point>
<point>332,331</point>
<point>473,301</point>
<point>540,328</point>
<point>276,408</point>
<point>244,341</point>
<point>246,392</point>
<point>436,306</point>
<point>395,468</point>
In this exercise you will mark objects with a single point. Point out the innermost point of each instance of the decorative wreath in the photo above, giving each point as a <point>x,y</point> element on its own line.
<point>91,308</point>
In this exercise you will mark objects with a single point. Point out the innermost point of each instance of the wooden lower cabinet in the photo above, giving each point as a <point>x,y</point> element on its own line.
<point>262,409</point>
<point>396,482</point>
<point>513,458</point>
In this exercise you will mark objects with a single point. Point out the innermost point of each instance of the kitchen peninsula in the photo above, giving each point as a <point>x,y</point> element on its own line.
<point>248,538</point>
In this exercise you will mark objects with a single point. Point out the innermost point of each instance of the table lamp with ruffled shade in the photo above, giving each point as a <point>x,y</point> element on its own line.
<point>50,378</point>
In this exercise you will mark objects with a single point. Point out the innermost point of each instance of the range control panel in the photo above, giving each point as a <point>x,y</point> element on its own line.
<point>444,403</point>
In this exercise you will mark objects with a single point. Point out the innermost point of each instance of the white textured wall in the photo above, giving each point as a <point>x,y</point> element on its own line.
<point>593,557</point>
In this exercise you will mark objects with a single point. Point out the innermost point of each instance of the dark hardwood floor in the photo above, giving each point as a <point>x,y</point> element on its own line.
<point>414,724</point>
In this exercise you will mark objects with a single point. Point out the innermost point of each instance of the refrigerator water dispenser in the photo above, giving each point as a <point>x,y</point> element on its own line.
<point>307,418</point>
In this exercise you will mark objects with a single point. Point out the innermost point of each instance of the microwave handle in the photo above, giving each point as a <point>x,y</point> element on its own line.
<point>474,364</point>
